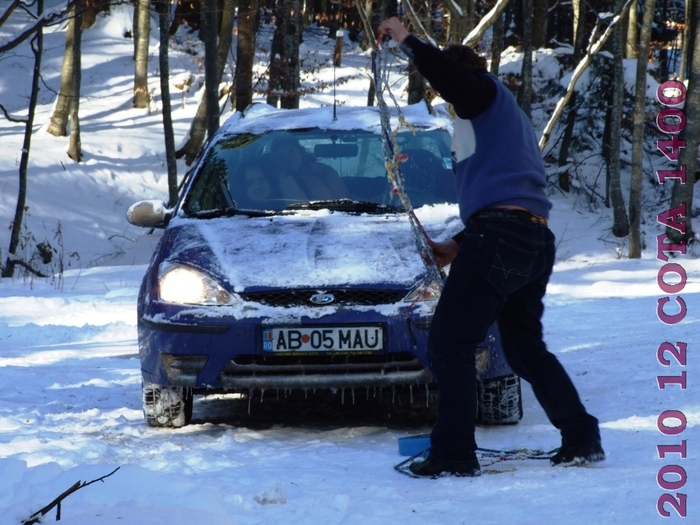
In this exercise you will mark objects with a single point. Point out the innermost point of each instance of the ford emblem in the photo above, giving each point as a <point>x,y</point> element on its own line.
<point>322,298</point>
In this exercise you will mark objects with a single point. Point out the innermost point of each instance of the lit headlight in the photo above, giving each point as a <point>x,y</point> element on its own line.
<point>185,285</point>
<point>425,291</point>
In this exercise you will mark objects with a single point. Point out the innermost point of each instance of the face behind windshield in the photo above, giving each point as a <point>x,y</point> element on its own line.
<point>284,168</point>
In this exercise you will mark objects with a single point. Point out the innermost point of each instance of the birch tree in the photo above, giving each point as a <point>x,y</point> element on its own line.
<point>594,47</point>
<point>58,126</point>
<point>142,33</point>
<point>74,147</point>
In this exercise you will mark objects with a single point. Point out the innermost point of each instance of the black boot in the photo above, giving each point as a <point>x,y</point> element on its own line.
<point>574,455</point>
<point>433,467</point>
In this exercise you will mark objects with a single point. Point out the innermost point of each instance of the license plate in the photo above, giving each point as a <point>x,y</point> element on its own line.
<point>323,339</point>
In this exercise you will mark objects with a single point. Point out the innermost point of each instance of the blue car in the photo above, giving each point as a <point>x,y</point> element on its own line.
<point>289,263</point>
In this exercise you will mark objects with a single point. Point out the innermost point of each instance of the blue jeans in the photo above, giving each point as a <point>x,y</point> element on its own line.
<point>500,273</point>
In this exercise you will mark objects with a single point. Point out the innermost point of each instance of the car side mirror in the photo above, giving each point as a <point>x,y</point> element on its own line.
<point>148,214</point>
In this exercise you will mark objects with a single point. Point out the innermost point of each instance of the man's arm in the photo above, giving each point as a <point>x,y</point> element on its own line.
<point>469,93</point>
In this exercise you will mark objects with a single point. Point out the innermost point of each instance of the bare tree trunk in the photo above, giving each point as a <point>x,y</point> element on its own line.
<point>364,42</point>
<point>168,133</point>
<point>460,26</point>
<point>540,19</point>
<point>211,79</point>
<point>417,85</point>
<point>579,12</point>
<point>682,193</point>
<point>200,123</point>
<point>58,126</point>
<point>291,40</point>
<point>142,33</point>
<point>620,225</point>
<point>228,17</point>
<point>631,49</point>
<point>525,92</point>
<point>687,37</point>
<point>275,70</point>
<point>579,8</point>
<point>497,45</point>
<point>74,147</point>
<point>38,49</point>
<point>245,53</point>
<point>419,24</point>
<point>638,119</point>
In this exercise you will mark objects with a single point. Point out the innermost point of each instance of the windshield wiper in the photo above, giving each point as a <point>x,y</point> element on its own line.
<point>230,212</point>
<point>348,205</point>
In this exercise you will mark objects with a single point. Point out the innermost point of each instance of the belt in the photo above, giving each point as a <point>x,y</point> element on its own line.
<point>504,213</point>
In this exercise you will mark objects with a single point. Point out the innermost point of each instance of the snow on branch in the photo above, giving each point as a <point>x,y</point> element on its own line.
<point>487,21</point>
<point>454,8</point>
<point>593,48</point>
<point>36,517</point>
<point>416,23</point>
<point>49,18</point>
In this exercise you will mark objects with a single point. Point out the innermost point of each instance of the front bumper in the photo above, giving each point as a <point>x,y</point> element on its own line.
<point>216,354</point>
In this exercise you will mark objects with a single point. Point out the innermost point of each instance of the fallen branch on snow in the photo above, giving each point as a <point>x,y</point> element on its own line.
<point>36,517</point>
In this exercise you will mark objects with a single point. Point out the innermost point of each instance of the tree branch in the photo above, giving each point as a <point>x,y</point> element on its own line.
<point>416,23</point>
<point>51,18</point>
<point>11,119</point>
<point>487,21</point>
<point>592,50</point>
<point>36,517</point>
<point>10,9</point>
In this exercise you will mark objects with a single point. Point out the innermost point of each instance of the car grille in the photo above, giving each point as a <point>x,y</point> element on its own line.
<point>343,297</point>
<point>324,371</point>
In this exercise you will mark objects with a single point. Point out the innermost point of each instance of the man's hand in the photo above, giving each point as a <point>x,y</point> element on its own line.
<point>444,252</point>
<point>393,28</point>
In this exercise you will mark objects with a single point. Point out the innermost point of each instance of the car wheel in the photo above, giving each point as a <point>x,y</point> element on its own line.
<point>165,406</point>
<point>500,400</point>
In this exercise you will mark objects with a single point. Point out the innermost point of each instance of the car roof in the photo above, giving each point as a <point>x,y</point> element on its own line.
<point>260,118</point>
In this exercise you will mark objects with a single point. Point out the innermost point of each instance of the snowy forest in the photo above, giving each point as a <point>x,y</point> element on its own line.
<point>604,133</point>
<point>104,103</point>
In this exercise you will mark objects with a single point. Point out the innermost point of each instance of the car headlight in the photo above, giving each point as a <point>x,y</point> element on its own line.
<point>185,285</point>
<point>428,290</point>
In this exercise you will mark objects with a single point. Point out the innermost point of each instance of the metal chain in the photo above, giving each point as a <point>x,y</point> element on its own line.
<point>393,158</point>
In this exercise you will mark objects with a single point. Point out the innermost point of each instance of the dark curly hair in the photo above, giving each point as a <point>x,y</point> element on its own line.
<point>466,56</point>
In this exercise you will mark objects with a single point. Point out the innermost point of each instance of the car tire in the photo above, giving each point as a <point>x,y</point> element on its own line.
<point>499,400</point>
<point>165,406</point>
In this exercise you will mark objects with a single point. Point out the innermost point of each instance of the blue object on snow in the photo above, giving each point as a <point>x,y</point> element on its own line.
<point>413,445</point>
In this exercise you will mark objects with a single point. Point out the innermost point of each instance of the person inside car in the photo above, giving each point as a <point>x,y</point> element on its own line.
<point>259,187</point>
<point>300,176</point>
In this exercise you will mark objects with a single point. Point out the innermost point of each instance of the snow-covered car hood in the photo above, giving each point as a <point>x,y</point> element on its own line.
<point>309,248</point>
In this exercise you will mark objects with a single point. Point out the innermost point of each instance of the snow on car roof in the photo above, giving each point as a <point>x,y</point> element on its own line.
<point>260,118</point>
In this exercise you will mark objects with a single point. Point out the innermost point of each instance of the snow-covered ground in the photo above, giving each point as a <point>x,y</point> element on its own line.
<point>70,406</point>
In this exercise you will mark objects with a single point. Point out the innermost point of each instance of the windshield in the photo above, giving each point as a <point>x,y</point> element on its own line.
<point>330,168</point>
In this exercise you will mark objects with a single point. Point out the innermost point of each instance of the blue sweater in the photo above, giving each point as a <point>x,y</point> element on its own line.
<point>497,158</point>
